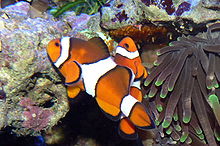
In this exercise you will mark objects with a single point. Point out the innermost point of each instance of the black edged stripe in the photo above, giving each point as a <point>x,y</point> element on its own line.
<point>65,61</point>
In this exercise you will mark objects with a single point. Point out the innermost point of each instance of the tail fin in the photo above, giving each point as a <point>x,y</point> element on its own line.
<point>140,118</point>
<point>127,130</point>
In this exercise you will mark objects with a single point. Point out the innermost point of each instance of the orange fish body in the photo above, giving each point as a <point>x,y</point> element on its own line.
<point>127,55</point>
<point>88,66</point>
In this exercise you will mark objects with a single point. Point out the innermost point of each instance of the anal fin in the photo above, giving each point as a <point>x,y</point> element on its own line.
<point>127,130</point>
<point>72,92</point>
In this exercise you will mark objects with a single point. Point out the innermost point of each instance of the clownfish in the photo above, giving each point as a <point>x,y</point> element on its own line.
<point>88,66</point>
<point>127,55</point>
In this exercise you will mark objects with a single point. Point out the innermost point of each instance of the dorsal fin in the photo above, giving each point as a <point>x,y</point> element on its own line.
<point>99,42</point>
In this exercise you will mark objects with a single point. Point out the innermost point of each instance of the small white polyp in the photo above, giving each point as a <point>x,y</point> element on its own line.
<point>130,55</point>
<point>92,72</point>
<point>127,104</point>
<point>65,46</point>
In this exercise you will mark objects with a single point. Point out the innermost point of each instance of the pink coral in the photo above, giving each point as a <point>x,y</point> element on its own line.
<point>37,118</point>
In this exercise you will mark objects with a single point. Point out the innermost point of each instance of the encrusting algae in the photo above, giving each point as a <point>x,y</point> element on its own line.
<point>184,87</point>
<point>141,33</point>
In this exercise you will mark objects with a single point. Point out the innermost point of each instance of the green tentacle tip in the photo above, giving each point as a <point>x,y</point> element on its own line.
<point>189,140</point>
<point>156,63</point>
<point>166,123</point>
<point>216,85</point>
<point>159,107</point>
<point>218,138</point>
<point>213,99</point>
<point>171,44</point>
<point>146,83</point>
<point>145,96</point>
<point>150,95</point>
<point>175,117</point>
<point>178,128</point>
<point>163,95</point>
<point>158,83</point>
<point>186,119</point>
<point>158,53</point>
<point>157,122</point>
<point>217,135</point>
<point>209,87</point>
<point>170,89</point>
<point>169,131</point>
<point>183,137</point>
<point>201,136</point>
<point>198,131</point>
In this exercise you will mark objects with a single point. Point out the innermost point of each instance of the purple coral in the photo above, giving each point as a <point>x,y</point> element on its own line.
<point>120,16</point>
<point>168,6</point>
<point>163,4</point>
<point>2,95</point>
<point>37,118</point>
<point>183,7</point>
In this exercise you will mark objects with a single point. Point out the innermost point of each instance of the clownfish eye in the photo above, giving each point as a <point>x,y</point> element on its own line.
<point>126,45</point>
<point>57,44</point>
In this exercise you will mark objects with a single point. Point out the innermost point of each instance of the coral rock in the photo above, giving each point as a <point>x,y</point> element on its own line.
<point>37,118</point>
<point>129,12</point>
<point>140,33</point>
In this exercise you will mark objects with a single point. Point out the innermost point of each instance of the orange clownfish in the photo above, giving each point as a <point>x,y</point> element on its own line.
<point>88,66</point>
<point>127,55</point>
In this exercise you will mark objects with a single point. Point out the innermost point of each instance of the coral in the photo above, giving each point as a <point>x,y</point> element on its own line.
<point>120,16</point>
<point>2,95</point>
<point>211,4</point>
<point>169,6</point>
<point>163,4</point>
<point>145,33</point>
<point>3,109</point>
<point>184,88</point>
<point>37,118</point>
<point>21,7</point>
<point>183,7</point>
<point>130,12</point>
<point>25,70</point>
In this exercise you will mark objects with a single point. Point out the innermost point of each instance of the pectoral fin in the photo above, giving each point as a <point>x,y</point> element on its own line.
<point>141,71</point>
<point>72,72</point>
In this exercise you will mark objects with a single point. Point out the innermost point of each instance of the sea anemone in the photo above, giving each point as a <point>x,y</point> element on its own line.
<point>184,87</point>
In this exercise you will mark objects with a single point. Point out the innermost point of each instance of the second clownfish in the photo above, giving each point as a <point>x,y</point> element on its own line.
<point>127,55</point>
<point>88,66</point>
